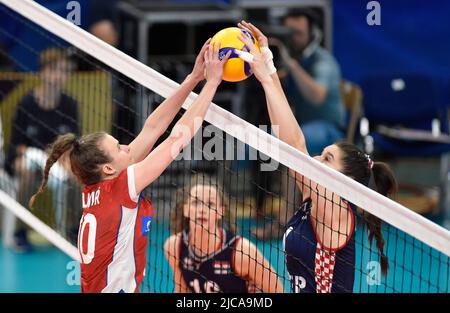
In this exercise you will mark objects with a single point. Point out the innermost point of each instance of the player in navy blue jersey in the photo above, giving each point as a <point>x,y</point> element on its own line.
<point>319,239</point>
<point>207,257</point>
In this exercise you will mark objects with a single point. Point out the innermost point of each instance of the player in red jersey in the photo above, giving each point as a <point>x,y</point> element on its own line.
<point>113,231</point>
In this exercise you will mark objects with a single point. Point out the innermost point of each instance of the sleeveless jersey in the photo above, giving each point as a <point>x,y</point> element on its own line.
<point>214,272</point>
<point>113,232</point>
<point>313,267</point>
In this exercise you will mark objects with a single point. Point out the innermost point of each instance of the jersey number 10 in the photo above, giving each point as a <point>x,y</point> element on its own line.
<point>88,219</point>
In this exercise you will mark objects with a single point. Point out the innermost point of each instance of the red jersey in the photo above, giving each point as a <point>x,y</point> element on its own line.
<point>112,239</point>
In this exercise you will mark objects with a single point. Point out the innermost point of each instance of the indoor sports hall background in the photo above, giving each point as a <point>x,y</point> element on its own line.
<point>394,60</point>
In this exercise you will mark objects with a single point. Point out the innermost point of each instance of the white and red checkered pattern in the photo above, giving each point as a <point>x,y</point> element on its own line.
<point>325,261</point>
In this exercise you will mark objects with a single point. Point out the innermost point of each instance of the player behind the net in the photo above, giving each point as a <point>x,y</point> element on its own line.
<point>320,238</point>
<point>116,218</point>
<point>204,252</point>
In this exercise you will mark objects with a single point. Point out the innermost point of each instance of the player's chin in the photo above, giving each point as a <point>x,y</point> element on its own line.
<point>201,223</point>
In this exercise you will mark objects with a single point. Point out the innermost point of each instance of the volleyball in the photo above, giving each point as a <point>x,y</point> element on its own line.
<point>235,69</point>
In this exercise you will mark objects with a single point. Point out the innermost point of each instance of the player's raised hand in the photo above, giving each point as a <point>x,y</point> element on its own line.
<point>213,65</point>
<point>255,58</point>
<point>198,72</point>
<point>263,43</point>
<point>262,39</point>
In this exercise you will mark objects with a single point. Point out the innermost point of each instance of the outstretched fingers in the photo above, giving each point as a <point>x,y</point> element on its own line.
<point>248,43</point>
<point>208,53</point>
<point>216,51</point>
<point>255,31</point>
<point>204,47</point>
<point>240,25</point>
<point>226,57</point>
<point>263,41</point>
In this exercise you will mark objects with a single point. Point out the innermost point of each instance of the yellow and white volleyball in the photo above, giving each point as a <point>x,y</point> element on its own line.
<point>235,69</point>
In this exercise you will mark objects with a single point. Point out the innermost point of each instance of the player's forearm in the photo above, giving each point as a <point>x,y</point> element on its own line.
<point>271,105</point>
<point>161,118</point>
<point>192,119</point>
<point>312,91</point>
<point>281,116</point>
<point>158,122</point>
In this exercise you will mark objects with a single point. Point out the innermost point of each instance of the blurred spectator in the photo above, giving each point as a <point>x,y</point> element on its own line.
<point>102,20</point>
<point>41,115</point>
<point>96,16</point>
<point>312,82</point>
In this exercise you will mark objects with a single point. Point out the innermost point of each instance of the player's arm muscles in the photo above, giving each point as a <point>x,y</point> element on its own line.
<point>282,118</point>
<point>157,122</point>
<point>172,253</point>
<point>250,264</point>
<point>285,125</point>
<point>329,208</point>
<point>149,169</point>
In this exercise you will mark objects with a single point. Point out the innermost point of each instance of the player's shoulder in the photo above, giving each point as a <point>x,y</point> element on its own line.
<point>122,188</point>
<point>230,237</point>
<point>173,240</point>
<point>123,178</point>
<point>244,246</point>
<point>172,246</point>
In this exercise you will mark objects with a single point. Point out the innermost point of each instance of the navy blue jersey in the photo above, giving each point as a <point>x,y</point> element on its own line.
<point>311,267</point>
<point>214,272</point>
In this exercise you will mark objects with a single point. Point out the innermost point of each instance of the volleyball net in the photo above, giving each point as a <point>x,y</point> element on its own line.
<point>238,173</point>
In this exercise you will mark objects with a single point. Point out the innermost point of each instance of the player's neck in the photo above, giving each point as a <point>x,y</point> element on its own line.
<point>205,241</point>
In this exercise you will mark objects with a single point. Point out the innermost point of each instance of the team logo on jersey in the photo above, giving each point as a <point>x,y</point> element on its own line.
<point>146,221</point>
<point>222,267</point>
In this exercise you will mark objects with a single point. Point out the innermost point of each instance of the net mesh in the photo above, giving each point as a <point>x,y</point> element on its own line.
<point>228,217</point>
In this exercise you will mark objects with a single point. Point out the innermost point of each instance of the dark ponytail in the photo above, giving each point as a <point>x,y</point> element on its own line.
<point>61,145</point>
<point>376,175</point>
<point>386,185</point>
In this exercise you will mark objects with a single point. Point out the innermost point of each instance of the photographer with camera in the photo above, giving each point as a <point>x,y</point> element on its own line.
<point>312,80</point>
